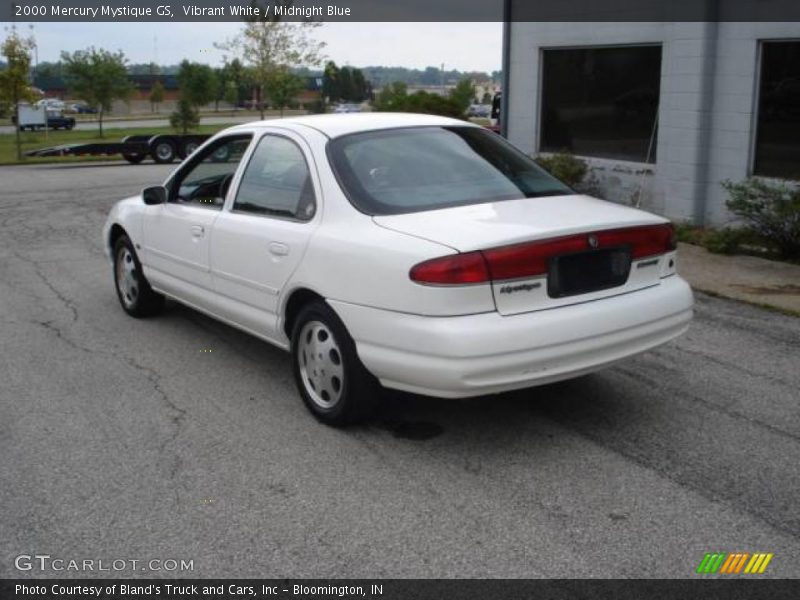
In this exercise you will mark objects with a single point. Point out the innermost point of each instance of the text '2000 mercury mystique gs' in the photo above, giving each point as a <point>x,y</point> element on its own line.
<point>413,252</point>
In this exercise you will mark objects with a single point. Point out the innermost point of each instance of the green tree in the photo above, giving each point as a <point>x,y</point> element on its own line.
<point>346,89</point>
<point>231,93</point>
<point>236,73</point>
<point>48,70</point>
<point>156,96</point>
<point>284,87</point>
<point>463,94</point>
<point>185,117</point>
<point>392,98</point>
<point>431,76</point>
<point>360,88</point>
<point>14,78</point>
<point>270,45</point>
<point>197,82</point>
<point>331,90</point>
<point>99,77</point>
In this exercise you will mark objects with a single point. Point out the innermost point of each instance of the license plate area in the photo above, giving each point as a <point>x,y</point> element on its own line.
<point>585,272</point>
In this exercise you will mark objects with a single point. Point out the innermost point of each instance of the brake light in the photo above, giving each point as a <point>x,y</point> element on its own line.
<point>457,269</point>
<point>531,259</point>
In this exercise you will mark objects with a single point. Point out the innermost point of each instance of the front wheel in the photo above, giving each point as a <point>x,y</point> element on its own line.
<point>134,292</point>
<point>334,384</point>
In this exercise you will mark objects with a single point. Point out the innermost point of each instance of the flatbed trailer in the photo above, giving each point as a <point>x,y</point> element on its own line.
<point>162,148</point>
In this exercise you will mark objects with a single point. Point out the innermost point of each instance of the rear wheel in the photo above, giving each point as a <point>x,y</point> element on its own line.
<point>334,384</point>
<point>189,147</point>
<point>134,292</point>
<point>163,151</point>
<point>221,154</point>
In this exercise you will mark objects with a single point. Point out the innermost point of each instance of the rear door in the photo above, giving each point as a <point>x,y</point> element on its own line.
<point>259,241</point>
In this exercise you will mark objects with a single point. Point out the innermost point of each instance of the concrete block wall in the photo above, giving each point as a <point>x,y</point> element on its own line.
<point>706,115</point>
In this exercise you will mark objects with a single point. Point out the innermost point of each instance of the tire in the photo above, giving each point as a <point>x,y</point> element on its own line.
<point>133,158</point>
<point>337,394</point>
<point>189,146</point>
<point>221,154</point>
<point>163,151</point>
<point>133,291</point>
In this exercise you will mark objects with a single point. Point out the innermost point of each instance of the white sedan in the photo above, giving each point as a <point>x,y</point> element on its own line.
<point>411,252</point>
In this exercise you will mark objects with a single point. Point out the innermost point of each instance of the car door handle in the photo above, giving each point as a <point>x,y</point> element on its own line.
<point>197,231</point>
<point>278,249</point>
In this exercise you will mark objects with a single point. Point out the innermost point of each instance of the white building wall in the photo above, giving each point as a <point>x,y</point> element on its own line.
<point>706,114</point>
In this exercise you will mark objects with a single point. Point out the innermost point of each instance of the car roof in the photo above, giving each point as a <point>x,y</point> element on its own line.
<point>338,124</point>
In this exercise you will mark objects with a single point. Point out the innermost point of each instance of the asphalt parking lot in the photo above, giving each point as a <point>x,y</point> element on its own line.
<point>181,438</point>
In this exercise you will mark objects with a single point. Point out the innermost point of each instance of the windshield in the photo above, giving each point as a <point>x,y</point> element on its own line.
<point>397,171</point>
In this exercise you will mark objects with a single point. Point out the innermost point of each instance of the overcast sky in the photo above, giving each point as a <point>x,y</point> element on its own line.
<point>463,46</point>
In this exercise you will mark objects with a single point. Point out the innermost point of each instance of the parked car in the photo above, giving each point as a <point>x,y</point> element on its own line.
<point>479,110</point>
<point>348,107</point>
<point>82,109</point>
<point>51,104</point>
<point>412,252</point>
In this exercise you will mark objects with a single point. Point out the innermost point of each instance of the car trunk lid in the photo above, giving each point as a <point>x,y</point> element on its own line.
<point>587,248</point>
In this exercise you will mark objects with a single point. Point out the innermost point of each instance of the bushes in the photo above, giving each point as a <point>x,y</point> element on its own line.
<point>395,98</point>
<point>315,107</point>
<point>729,240</point>
<point>565,167</point>
<point>771,212</point>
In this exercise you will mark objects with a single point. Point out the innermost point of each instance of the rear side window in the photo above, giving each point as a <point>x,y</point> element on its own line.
<point>406,170</point>
<point>277,181</point>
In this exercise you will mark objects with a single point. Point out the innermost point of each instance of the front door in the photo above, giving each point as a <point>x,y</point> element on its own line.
<point>176,234</point>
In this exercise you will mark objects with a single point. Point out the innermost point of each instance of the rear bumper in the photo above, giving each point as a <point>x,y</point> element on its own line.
<point>457,357</point>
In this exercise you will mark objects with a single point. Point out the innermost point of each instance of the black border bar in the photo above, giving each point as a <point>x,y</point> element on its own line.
<point>739,588</point>
<point>403,10</point>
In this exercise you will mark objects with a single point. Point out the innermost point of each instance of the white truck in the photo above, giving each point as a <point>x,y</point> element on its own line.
<point>39,117</point>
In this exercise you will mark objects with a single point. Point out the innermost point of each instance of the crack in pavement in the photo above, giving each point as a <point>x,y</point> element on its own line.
<point>177,419</point>
<point>49,326</point>
<point>65,301</point>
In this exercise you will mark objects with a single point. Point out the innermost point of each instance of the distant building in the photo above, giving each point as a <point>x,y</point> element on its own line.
<point>673,108</point>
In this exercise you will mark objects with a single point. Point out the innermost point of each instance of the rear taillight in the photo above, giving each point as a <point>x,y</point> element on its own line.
<point>532,259</point>
<point>456,269</point>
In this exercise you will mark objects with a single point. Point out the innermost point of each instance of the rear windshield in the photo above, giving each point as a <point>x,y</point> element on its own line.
<point>396,171</point>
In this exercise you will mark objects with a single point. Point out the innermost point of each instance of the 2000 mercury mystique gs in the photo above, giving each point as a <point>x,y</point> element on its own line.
<point>408,251</point>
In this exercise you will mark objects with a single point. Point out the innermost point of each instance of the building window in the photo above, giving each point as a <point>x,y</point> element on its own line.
<point>601,101</point>
<point>778,130</point>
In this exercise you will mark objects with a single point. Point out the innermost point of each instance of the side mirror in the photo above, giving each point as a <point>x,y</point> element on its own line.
<point>156,194</point>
